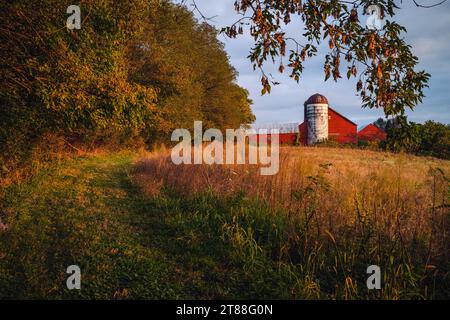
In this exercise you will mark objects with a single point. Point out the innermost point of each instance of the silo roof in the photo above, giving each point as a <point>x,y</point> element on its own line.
<point>317,99</point>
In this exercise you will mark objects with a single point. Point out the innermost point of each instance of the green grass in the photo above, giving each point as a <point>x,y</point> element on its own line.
<point>89,212</point>
<point>79,213</point>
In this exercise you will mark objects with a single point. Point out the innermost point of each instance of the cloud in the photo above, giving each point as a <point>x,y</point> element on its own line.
<point>428,33</point>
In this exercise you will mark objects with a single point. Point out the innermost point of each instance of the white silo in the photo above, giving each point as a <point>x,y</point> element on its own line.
<point>316,118</point>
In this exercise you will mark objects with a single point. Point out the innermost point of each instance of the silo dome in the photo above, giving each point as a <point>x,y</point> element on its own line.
<point>317,99</point>
<point>316,118</point>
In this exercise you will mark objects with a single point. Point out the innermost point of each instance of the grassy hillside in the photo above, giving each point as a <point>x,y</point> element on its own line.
<point>148,229</point>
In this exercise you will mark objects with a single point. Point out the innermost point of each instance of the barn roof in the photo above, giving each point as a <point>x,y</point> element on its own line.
<point>372,132</point>
<point>369,127</point>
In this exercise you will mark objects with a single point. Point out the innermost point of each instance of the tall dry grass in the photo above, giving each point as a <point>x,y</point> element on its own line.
<point>389,206</point>
<point>397,192</point>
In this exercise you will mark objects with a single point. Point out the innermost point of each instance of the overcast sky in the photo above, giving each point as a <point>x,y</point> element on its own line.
<point>428,33</point>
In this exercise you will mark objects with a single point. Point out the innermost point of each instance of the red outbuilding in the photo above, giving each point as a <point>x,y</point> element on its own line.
<point>372,133</point>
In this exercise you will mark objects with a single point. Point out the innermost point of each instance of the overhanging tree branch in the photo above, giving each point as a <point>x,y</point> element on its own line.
<point>428,6</point>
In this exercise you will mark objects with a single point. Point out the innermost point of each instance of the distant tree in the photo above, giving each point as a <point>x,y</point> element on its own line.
<point>428,139</point>
<point>381,123</point>
<point>403,135</point>
<point>435,138</point>
<point>191,70</point>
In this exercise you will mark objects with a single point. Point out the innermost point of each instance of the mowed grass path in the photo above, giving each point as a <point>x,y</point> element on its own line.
<point>88,212</point>
<point>80,213</point>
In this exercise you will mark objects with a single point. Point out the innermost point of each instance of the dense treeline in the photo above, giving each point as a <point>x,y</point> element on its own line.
<point>427,139</point>
<point>134,71</point>
<point>191,70</point>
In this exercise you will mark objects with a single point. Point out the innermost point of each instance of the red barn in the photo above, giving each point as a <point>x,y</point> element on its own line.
<point>340,129</point>
<point>334,125</point>
<point>372,133</point>
<point>321,122</point>
<point>288,133</point>
<point>288,139</point>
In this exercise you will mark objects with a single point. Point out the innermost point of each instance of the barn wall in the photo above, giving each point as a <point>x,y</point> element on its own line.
<point>284,138</point>
<point>341,129</point>
<point>303,133</point>
<point>288,138</point>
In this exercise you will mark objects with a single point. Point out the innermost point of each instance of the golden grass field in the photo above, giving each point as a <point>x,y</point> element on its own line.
<point>395,188</point>
<point>400,197</point>
<point>141,227</point>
